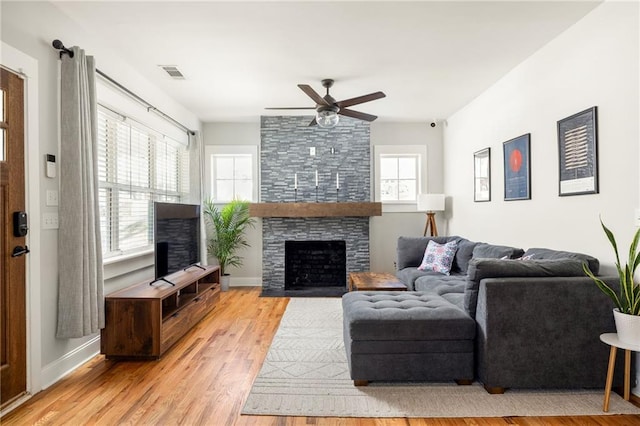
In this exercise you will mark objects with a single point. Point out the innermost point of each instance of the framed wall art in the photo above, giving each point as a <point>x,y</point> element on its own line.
<point>578,153</point>
<point>482,175</point>
<point>517,168</point>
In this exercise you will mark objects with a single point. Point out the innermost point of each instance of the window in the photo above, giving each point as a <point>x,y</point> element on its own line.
<point>136,166</point>
<point>232,172</point>
<point>399,177</point>
<point>399,174</point>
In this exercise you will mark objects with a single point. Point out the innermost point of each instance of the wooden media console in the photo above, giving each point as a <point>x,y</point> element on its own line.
<point>144,321</point>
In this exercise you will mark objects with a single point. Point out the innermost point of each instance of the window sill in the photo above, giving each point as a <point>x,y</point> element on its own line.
<point>121,265</point>
<point>399,208</point>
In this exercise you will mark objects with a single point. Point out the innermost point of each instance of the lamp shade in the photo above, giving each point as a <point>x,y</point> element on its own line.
<point>430,202</point>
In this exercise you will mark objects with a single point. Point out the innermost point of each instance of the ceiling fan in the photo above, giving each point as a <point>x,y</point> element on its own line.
<point>328,109</point>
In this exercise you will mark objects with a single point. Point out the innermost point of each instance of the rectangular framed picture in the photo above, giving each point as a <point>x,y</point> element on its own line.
<point>482,175</point>
<point>517,168</point>
<point>578,153</point>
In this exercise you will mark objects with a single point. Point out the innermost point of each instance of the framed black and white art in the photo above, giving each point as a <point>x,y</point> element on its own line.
<point>578,153</point>
<point>482,175</point>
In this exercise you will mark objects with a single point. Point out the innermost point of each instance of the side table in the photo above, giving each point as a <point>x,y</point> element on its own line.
<point>373,281</point>
<point>612,340</point>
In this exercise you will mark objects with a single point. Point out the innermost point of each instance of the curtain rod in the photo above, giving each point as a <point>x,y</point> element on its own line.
<point>57,44</point>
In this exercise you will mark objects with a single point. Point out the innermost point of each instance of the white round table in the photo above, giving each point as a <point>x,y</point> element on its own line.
<point>612,340</point>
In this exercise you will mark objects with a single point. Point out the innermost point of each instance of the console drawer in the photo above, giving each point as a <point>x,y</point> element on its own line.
<point>179,323</point>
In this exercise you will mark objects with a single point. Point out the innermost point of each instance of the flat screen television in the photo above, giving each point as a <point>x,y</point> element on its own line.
<point>176,236</point>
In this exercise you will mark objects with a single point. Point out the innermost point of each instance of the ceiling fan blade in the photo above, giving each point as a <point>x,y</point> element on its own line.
<point>313,122</point>
<point>290,107</point>
<point>357,114</point>
<point>312,94</point>
<point>361,99</point>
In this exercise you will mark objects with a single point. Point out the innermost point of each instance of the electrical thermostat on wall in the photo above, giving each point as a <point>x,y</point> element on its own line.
<point>50,170</point>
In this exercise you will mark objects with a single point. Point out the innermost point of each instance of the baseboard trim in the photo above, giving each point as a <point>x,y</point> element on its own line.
<point>61,367</point>
<point>245,281</point>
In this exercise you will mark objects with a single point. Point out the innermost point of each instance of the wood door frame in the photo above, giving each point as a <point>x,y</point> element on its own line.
<point>26,66</point>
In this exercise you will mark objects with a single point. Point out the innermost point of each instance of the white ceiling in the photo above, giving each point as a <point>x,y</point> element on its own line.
<point>430,58</point>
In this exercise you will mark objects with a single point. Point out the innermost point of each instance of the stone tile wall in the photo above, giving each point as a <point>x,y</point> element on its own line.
<point>285,150</point>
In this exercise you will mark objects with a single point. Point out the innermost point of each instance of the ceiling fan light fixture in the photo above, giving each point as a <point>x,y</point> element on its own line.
<point>327,118</point>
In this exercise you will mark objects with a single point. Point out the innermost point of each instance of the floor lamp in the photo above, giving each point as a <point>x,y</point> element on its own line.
<point>431,203</point>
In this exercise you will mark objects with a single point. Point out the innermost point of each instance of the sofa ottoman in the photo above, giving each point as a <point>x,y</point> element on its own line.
<point>416,336</point>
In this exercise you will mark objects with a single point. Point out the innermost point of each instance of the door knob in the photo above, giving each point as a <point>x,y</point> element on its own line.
<point>19,251</point>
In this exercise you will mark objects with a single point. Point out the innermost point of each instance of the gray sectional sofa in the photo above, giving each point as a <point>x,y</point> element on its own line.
<point>507,323</point>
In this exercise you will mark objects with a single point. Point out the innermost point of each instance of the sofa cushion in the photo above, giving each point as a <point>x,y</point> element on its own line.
<point>463,255</point>
<point>410,250</point>
<point>543,253</point>
<point>438,257</point>
<point>409,275</point>
<point>491,251</point>
<point>449,287</point>
<point>433,281</point>
<point>498,268</point>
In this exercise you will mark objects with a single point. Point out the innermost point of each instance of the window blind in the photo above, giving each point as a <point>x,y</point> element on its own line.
<point>136,166</point>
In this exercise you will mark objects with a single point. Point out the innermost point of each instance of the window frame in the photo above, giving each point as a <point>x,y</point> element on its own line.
<point>419,151</point>
<point>230,150</point>
<point>155,189</point>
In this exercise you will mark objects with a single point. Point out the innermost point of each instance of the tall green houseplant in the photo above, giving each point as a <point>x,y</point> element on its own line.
<point>225,228</point>
<point>628,301</point>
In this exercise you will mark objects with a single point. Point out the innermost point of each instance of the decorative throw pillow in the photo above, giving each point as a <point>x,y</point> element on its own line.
<point>438,257</point>
<point>527,257</point>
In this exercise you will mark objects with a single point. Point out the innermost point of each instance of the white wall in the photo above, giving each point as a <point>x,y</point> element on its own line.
<point>250,273</point>
<point>30,27</point>
<point>385,229</point>
<point>594,63</point>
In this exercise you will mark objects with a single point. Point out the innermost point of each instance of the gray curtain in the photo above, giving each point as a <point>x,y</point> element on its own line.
<point>80,291</point>
<point>196,181</point>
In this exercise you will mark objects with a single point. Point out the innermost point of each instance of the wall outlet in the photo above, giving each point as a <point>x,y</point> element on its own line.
<point>636,217</point>
<point>312,151</point>
<point>50,221</point>
<point>52,198</point>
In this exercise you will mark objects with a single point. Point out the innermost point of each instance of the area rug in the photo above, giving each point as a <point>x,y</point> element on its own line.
<point>305,373</point>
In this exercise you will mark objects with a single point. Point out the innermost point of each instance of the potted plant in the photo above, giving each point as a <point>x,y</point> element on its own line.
<point>627,302</point>
<point>225,227</point>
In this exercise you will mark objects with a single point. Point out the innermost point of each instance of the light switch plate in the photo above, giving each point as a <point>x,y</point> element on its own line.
<point>312,151</point>
<point>636,217</point>
<point>52,198</point>
<point>50,221</point>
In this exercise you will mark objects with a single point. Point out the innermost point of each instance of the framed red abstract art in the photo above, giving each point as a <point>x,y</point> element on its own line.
<point>517,168</point>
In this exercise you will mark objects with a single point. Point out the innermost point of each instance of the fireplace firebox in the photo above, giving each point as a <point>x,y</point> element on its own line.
<point>312,264</point>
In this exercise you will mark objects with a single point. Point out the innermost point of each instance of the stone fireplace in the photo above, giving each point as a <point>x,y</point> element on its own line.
<point>290,148</point>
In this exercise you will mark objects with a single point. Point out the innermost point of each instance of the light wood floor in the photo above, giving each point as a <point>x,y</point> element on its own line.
<point>204,380</point>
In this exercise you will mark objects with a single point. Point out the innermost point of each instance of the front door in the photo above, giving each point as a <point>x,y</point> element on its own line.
<point>13,314</point>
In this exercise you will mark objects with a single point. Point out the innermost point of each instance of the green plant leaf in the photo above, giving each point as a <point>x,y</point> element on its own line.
<point>628,300</point>
<point>225,230</point>
<point>603,286</point>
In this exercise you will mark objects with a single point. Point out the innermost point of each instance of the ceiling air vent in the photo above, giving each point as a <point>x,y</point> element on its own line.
<point>173,71</point>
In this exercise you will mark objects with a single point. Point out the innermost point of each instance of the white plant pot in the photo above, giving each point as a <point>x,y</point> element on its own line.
<point>224,282</point>
<point>628,327</point>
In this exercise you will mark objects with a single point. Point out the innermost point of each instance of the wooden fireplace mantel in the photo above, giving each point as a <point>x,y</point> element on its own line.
<point>315,209</point>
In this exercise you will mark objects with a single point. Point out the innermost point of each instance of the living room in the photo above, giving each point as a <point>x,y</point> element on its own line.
<point>592,61</point>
